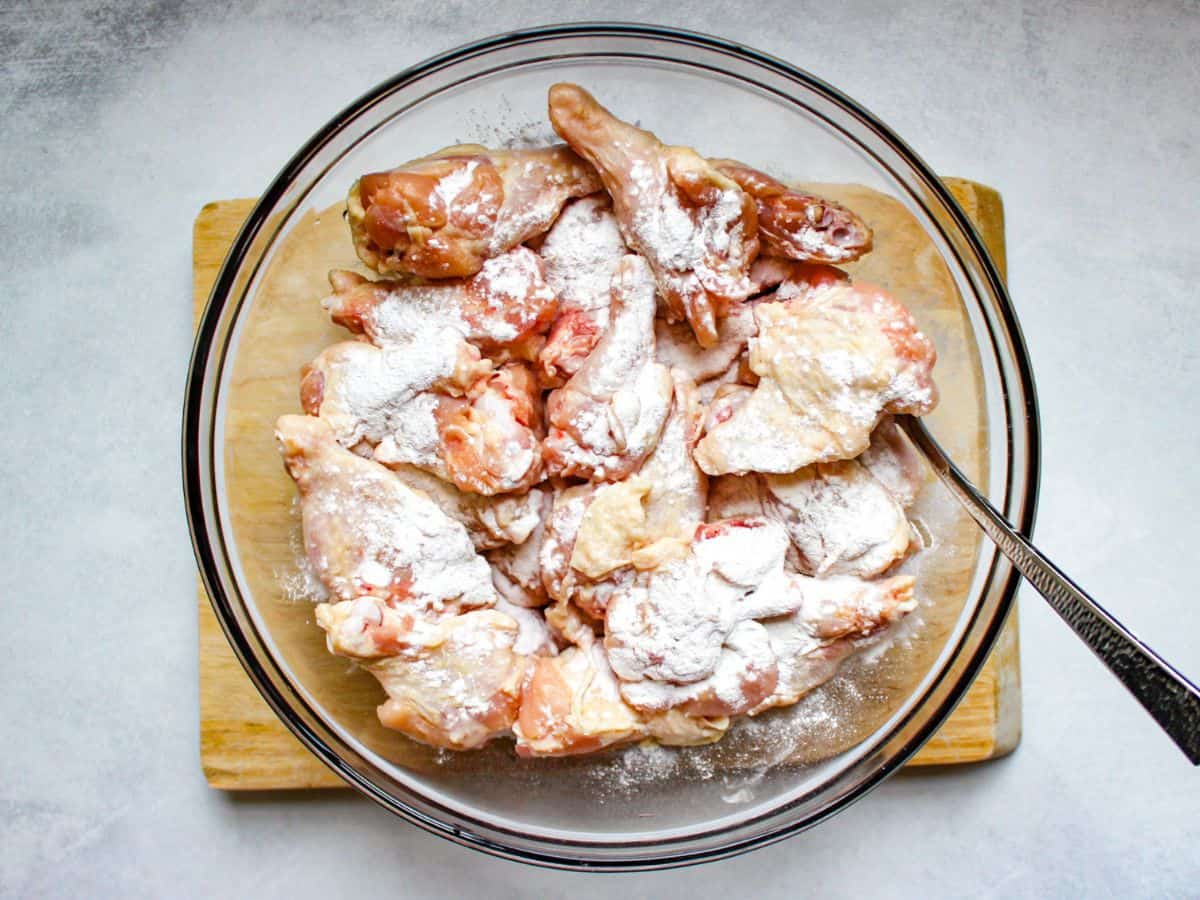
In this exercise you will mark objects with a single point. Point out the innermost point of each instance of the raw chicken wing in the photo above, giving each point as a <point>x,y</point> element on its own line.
<point>366,394</point>
<point>837,617</point>
<point>830,362</point>
<point>366,533</point>
<point>796,224</point>
<point>840,518</point>
<point>495,521</point>
<point>695,226</point>
<point>505,308</point>
<point>490,440</point>
<point>607,418</point>
<point>581,253</point>
<point>671,625</point>
<point>444,215</point>
<point>745,674</point>
<point>571,704</point>
<point>454,683</point>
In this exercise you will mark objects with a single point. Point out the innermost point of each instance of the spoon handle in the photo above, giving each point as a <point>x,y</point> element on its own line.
<point>1171,699</point>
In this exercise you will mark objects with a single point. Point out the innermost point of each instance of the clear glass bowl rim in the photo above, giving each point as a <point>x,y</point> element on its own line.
<point>207,362</point>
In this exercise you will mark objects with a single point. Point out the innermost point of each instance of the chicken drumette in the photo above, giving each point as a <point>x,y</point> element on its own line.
<point>505,309</point>
<point>444,215</point>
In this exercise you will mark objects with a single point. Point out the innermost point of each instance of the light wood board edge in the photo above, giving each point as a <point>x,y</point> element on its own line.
<point>245,747</point>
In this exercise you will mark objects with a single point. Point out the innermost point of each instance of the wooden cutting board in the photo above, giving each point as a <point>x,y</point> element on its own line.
<point>244,746</point>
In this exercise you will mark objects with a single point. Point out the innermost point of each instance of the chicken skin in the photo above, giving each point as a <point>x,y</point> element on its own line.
<point>798,225</point>
<point>831,360</point>
<point>490,440</point>
<point>368,395</point>
<point>840,518</point>
<point>694,225</point>
<point>607,418</point>
<point>572,704</point>
<point>445,215</point>
<point>454,683</point>
<point>838,617</point>
<point>387,403</point>
<point>504,309</point>
<point>581,254</point>
<point>367,534</point>
<point>501,520</point>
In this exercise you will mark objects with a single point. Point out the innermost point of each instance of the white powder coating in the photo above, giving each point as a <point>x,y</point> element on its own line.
<point>683,239</point>
<point>534,637</point>
<point>838,617</point>
<point>450,186</point>
<point>581,252</point>
<point>411,535</point>
<point>894,462</point>
<point>694,249</point>
<point>745,658</point>
<point>503,303</point>
<point>676,347</point>
<point>840,518</point>
<point>368,392</point>
<point>688,220</point>
<point>536,185</point>
<point>454,682</point>
<point>367,532</point>
<point>414,438</point>
<point>667,627</point>
<point>491,521</point>
<point>743,556</point>
<point>609,415</point>
<point>828,367</point>
<point>671,626</point>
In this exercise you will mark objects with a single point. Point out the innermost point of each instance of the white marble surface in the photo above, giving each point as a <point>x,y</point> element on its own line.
<point>119,123</point>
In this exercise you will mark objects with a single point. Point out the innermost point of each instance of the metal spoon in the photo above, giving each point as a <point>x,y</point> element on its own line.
<point>1171,699</point>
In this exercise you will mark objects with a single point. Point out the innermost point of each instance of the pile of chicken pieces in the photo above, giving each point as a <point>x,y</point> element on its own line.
<point>609,455</point>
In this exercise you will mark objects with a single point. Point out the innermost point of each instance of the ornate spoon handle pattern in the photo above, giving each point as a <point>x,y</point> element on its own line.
<point>1168,696</point>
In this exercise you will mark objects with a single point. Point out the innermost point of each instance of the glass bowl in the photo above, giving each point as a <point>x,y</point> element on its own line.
<point>642,807</point>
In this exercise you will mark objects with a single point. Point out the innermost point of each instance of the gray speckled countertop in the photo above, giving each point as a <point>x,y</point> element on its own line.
<point>118,123</point>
